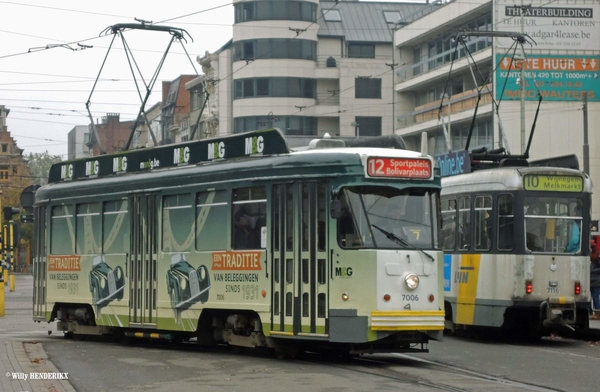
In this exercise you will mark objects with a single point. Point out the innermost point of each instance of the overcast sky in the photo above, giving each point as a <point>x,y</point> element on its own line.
<point>47,76</point>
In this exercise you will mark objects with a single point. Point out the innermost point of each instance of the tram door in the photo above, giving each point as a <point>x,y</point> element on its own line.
<point>142,270</point>
<point>300,259</point>
<point>39,264</point>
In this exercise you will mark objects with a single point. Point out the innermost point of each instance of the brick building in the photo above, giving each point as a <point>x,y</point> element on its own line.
<point>14,172</point>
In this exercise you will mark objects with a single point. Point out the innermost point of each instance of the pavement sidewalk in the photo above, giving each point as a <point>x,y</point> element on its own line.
<point>24,365</point>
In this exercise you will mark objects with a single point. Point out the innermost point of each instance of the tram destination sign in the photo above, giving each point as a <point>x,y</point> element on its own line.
<point>539,182</point>
<point>265,142</point>
<point>399,167</point>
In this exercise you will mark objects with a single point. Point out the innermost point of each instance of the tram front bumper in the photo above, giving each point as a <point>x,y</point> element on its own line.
<point>558,310</point>
<point>407,320</point>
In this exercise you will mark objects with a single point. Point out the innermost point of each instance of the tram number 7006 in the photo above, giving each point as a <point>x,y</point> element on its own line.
<point>410,297</point>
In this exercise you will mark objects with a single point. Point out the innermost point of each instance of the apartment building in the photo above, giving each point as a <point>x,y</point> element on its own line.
<point>562,56</point>
<point>306,67</point>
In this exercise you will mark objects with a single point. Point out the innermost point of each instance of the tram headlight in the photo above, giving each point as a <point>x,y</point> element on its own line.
<point>411,280</point>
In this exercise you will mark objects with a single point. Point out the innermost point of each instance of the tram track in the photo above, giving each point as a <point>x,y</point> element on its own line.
<point>425,375</point>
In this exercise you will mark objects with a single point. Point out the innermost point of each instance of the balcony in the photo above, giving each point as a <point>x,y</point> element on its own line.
<point>458,103</point>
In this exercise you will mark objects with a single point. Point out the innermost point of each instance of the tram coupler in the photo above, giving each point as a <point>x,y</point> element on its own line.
<point>558,311</point>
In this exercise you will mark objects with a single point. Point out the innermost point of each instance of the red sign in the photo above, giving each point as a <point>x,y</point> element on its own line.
<point>64,263</point>
<point>399,167</point>
<point>240,261</point>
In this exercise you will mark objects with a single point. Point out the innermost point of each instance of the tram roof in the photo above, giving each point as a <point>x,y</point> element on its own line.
<point>243,157</point>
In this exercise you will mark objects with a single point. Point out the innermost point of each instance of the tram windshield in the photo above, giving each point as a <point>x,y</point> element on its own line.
<point>553,224</point>
<point>384,217</point>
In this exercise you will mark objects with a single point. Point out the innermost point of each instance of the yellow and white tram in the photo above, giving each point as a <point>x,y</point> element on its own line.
<point>516,243</point>
<point>238,240</point>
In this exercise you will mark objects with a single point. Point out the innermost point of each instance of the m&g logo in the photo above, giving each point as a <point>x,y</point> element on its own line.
<point>66,172</point>
<point>92,168</point>
<point>254,145</point>
<point>216,150</point>
<point>119,164</point>
<point>181,156</point>
<point>344,272</point>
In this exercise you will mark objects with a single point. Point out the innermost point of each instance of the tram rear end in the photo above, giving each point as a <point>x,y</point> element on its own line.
<point>523,263</point>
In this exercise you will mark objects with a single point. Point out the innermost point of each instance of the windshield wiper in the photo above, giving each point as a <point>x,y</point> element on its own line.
<point>402,242</point>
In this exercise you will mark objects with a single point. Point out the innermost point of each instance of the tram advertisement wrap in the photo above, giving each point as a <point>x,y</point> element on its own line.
<point>65,271</point>
<point>238,272</point>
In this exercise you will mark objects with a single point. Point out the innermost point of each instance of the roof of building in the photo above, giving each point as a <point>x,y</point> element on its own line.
<point>358,21</point>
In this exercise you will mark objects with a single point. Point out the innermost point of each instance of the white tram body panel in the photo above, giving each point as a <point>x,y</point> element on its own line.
<point>523,277</point>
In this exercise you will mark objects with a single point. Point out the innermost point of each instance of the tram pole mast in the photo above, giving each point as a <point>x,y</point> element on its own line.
<point>586,146</point>
<point>522,83</point>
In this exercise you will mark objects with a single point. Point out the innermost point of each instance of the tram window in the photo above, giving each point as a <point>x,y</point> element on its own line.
<point>211,233</point>
<point>464,222</point>
<point>289,218</point>
<point>62,230</point>
<point>177,223</point>
<point>505,228</point>
<point>249,218</point>
<point>448,224</point>
<point>115,227</point>
<point>321,216</point>
<point>305,216</point>
<point>483,222</point>
<point>382,217</point>
<point>552,224</point>
<point>88,223</point>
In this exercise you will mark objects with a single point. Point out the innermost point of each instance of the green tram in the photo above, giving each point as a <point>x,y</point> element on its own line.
<point>239,240</point>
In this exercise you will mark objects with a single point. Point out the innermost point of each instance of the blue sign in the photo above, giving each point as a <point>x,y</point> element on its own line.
<point>447,272</point>
<point>453,163</point>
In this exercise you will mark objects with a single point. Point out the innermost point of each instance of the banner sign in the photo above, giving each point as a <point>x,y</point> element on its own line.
<point>558,78</point>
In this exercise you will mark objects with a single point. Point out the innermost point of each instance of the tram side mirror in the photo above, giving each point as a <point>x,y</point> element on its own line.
<point>335,209</point>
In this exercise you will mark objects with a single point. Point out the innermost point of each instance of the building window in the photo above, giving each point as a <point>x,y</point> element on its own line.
<point>367,88</point>
<point>275,87</point>
<point>4,173</point>
<point>292,48</point>
<point>185,129</point>
<point>290,125</point>
<point>392,17</point>
<point>196,97</point>
<point>4,148</point>
<point>361,51</point>
<point>368,126</point>
<point>441,50</point>
<point>275,10</point>
<point>332,15</point>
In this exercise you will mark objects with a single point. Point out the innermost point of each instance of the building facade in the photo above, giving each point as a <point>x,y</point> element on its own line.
<point>561,58</point>
<point>78,137</point>
<point>306,67</point>
<point>14,172</point>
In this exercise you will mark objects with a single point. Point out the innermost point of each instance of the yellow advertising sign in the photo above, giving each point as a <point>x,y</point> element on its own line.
<point>539,182</point>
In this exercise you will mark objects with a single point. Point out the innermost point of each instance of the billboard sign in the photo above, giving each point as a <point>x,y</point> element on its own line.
<point>558,78</point>
<point>552,25</point>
